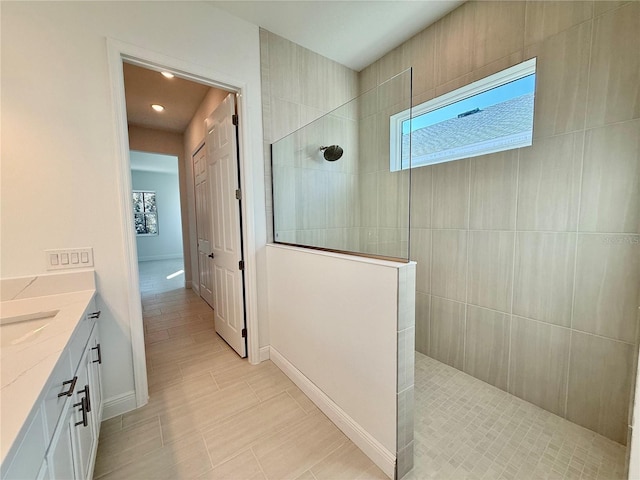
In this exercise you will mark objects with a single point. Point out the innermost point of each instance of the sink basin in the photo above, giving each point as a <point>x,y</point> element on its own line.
<point>24,328</point>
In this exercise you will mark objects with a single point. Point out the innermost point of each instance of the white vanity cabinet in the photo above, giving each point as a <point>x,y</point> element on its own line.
<point>62,438</point>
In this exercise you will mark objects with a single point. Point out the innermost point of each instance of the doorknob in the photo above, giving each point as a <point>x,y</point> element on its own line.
<point>210,255</point>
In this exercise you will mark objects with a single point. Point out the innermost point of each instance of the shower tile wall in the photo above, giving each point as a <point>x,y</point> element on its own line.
<point>298,87</point>
<point>528,272</point>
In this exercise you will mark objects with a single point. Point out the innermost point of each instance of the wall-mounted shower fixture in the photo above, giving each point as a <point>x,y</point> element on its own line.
<point>332,152</point>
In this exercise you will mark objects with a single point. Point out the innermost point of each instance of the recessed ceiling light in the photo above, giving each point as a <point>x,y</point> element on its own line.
<point>168,74</point>
<point>157,108</point>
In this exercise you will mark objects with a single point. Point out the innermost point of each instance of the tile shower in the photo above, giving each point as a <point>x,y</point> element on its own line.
<point>528,274</point>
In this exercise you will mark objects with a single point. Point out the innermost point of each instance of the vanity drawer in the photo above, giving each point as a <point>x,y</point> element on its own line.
<point>59,383</point>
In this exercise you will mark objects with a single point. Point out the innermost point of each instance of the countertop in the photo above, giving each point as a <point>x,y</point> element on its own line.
<point>25,368</point>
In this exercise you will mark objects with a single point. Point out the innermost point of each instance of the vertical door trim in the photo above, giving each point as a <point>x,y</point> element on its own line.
<point>117,52</point>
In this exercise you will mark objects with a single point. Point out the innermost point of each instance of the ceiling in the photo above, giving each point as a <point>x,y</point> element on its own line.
<point>181,98</point>
<point>353,33</point>
<point>153,162</point>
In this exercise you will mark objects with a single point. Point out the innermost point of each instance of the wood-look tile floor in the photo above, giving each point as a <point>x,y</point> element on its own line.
<point>212,415</point>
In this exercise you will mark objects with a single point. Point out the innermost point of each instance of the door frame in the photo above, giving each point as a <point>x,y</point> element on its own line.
<point>118,52</point>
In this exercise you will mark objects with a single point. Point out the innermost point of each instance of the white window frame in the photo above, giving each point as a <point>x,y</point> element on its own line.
<point>498,79</point>
<point>146,213</point>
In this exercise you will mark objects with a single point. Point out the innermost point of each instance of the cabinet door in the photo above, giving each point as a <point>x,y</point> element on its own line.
<point>95,378</point>
<point>94,370</point>
<point>82,424</point>
<point>60,458</point>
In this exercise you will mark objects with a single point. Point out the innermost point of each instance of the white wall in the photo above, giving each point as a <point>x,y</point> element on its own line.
<point>168,242</point>
<point>59,145</point>
<point>334,318</point>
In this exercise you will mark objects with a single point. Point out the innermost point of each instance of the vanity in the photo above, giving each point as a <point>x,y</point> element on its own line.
<point>50,370</point>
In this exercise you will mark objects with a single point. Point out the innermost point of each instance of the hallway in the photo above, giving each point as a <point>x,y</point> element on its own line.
<point>211,414</point>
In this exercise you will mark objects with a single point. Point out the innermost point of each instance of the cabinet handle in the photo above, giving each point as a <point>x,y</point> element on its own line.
<point>72,387</point>
<point>83,408</point>
<point>93,315</point>
<point>99,360</point>
<point>85,390</point>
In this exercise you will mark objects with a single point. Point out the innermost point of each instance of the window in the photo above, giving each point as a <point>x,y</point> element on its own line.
<point>487,116</point>
<point>145,214</point>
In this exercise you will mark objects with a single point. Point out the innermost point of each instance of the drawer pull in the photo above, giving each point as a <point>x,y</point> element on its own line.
<point>83,408</point>
<point>87,395</point>
<point>99,360</point>
<point>93,315</point>
<point>72,387</point>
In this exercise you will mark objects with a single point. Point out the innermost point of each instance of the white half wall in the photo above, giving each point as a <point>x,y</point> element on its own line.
<point>334,319</point>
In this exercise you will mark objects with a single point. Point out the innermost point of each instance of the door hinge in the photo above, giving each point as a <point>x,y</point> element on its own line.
<point>238,194</point>
<point>234,119</point>
<point>244,333</point>
<point>241,264</point>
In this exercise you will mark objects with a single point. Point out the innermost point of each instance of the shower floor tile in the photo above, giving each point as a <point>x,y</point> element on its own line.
<point>468,429</point>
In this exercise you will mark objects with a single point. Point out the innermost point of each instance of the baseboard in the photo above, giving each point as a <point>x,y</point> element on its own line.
<point>264,353</point>
<point>119,404</point>
<point>151,258</point>
<point>187,284</point>
<point>382,457</point>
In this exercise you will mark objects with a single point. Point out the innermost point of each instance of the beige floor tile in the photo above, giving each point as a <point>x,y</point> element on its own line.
<point>241,372</point>
<point>304,402</point>
<point>179,395</point>
<point>214,362</point>
<point>169,345</point>
<point>271,383</point>
<point>236,433</point>
<point>185,460</point>
<point>125,446</point>
<point>288,453</point>
<point>156,336</point>
<point>308,475</point>
<point>191,328</point>
<point>243,466</point>
<point>198,414</point>
<point>110,426</point>
<point>348,462</point>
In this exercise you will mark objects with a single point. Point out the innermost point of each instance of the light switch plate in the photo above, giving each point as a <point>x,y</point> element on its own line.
<point>64,258</point>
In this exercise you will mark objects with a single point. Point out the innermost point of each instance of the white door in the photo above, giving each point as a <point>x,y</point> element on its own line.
<point>203,227</point>
<point>226,239</point>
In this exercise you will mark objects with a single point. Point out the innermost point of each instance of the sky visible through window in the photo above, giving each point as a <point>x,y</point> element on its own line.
<point>494,96</point>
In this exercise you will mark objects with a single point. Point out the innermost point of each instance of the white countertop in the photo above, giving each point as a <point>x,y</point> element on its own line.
<point>25,368</point>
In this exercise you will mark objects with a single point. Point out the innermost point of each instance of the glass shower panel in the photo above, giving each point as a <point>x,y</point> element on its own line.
<point>333,188</point>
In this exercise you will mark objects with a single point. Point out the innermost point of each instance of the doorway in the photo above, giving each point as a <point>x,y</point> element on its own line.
<point>120,53</point>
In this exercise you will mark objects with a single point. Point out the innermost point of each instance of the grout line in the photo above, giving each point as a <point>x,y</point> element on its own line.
<point>346,441</point>
<point>429,309</point>
<point>206,448</point>
<point>513,272</point>
<point>258,462</point>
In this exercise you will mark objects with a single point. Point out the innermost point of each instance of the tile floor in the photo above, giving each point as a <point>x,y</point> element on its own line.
<point>468,429</point>
<point>212,415</point>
